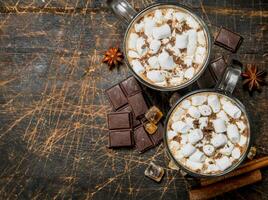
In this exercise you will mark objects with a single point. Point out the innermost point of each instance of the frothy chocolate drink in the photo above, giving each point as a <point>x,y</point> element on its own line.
<point>167,46</point>
<point>207,133</point>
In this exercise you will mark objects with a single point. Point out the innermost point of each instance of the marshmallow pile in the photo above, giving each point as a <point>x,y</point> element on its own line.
<point>212,132</point>
<point>167,47</point>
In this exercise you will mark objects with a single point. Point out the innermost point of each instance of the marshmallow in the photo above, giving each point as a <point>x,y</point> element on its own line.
<point>180,127</point>
<point>199,59</point>
<point>219,140</point>
<point>181,41</point>
<point>223,163</point>
<point>149,24</point>
<point>241,126</point>
<point>161,84</point>
<point>192,22</point>
<point>194,112</point>
<point>176,80</point>
<point>169,14</point>
<point>194,165</point>
<point>186,104</point>
<point>153,62</point>
<point>165,41</point>
<point>203,122</point>
<point>154,46</point>
<point>158,16</point>
<point>219,125</point>
<point>201,39</point>
<point>214,103</point>
<point>161,32</point>
<point>188,150</point>
<point>201,50</point>
<point>176,51</point>
<point>243,140</point>
<point>132,41</point>
<point>166,61</point>
<point>198,100</point>
<point>140,46</point>
<point>189,121</point>
<point>139,27</point>
<point>188,60</point>
<point>227,149</point>
<point>178,155</point>
<point>133,54</point>
<point>236,153</point>
<point>198,156</point>
<point>212,168</point>
<point>184,139</point>
<point>192,42</point>
<point>174,146</point>
<point>195,135</point>
<point>137,66</point>
<point>171,134</point>
<point>178,114</point>
<point>155,76</point>
<point>209,150</point>
<point>180,16</point>
<point>189,73</point>
<point>204,110</point>
<point>232,110</point>
<point>233,133</point>
<point>222,115</point>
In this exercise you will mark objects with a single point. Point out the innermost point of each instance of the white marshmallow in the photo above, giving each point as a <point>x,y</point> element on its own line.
<point>201,50</point>
<point>188,60</point>
<point>178,155</point>
<point>203,122</point>
<point>188,150</point>
<point>176,51</point>
<point>222,115</point>
<point>232,110</point>
<point>241,125</point>
<point>219,140</point>
<point>194,112</point>
<point>176,80</point>
<point>209,150</point>
<point>189,73</point>
<point>227,149</point>
<point>192,22</point>
<point>199,59</point>
<point>139,27</point>
<point>195,135</point>
<point>169,14</point>
<point>149,24</point>
<point>201,38</point>
<point>212,168</point>
<point>174,146</point>
<point>184,139</point>
<point>171,134</point>
<point>236,153</point>
<point>223,163</point>
<point>153,62</point>
<point>189,121</point>
<point>181,41</point>
<point>243,140</point>
<point>155,76</point>
<point>180,127</point>
<point>194,165</point>
<point>132,41</point>
<point>198,156</point>
<point>219,125</point>
<point>158,15</point>
<point>178,114</point>
<point>133,54</point>
<point>204,110</point>
<point>139,46</point>
<point>162,84</point>
<point>180,16</point>
<point>186,104</point>
<point>214,103</point>
<point>154,46</point>
<point>166,61</point>
<point>137,66</point>
<point>198,100</point>
<point>192,42</point>
<point>165,41</point>
<point>161,32</point>
<point>233,133</point>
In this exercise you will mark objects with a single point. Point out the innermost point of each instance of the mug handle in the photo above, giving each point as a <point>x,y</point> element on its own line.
<point>230,78</point>
<point>122,9</point>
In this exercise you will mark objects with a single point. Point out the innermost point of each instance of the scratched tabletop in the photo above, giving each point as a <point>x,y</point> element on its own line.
<point>53,130</point>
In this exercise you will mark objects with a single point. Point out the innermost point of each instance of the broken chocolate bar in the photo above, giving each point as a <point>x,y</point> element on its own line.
<point>218,67</point>
<point>130,86</point>
<point>119,120</point>
<point>154,115</point>
<point>120,138</point>
<point>138,105</point>
<point>157,137</point>
<point>154,172</point>
<point>116,97</point>
<point>142,140</point>
<point>127,108</point>
<point>228,40</point>
<point>150,127</point>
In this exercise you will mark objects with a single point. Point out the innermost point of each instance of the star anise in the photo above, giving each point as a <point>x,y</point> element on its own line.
<point>253,78</point>
<point>113,57</point>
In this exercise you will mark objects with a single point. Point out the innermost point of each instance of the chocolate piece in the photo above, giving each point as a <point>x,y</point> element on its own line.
<point>116,97</point>
<point>138,105</point>
<point>120,120</point>
<point>154,172</point>
<point>157,137</point>
<point>127,108</point>
<point>228,40</point>
<point>142,140</point>
<point>218,67</point>
<point>206,80</point>
<point>130,86</point>
<point>154,115</point>
<point>120,138</point>
<point>150,127</point>
<point>174,98</point>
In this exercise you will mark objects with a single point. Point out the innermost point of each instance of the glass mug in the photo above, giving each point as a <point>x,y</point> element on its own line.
<point>130,16</point>
<point>224,88</point>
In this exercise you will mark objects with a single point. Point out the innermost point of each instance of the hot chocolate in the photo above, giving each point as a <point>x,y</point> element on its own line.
<point>167,46</point>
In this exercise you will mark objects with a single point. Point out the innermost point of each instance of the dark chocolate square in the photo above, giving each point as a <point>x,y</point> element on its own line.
<point>218,67</point>
<point>120,120</point>
<point>127,108</point>
<point>138,105</point>
<point>228,40</point>
<point>130,86</point>
<point>157,137</point>
<point>142,140</point>
<point>120,138</point>
<point>116,97</point>
<point>206,80</point>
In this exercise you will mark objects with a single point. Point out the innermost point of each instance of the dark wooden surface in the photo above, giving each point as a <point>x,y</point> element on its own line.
<point>53,128</point>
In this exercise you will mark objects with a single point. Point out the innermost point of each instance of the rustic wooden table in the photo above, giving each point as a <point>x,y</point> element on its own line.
<point>53,128</point>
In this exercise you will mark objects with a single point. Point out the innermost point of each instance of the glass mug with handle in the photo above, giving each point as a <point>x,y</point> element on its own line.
<point>167,47</point>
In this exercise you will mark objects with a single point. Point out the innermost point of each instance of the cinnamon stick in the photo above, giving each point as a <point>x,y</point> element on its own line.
<point>224,186</point>
<point>247,167</point>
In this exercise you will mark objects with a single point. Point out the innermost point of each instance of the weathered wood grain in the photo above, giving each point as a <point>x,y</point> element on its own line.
<point>53,129</point>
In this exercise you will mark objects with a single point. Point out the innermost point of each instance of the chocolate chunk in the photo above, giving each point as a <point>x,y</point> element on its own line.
<point>120,138</point>
<point>138,105</point>
<point>116,97</point>
<point>228,40</point>
<point>206,80</point>
<point>218,67</point>
<point>127,108</point>
<point>130,86</point>
<point>120,120</point>
<point>142,140</point>
<point>157,137</point>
